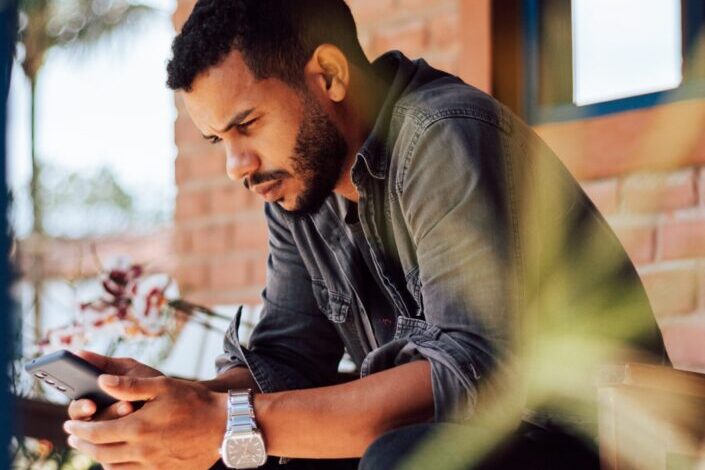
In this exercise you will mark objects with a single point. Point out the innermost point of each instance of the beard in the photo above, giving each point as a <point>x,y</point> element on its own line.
<point>318,159</point>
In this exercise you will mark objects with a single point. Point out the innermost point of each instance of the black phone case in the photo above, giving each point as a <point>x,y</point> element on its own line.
<point>74,377</point>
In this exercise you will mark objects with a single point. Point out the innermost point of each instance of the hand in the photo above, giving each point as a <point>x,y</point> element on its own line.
<point>85,409</point>
<point>180,426</point>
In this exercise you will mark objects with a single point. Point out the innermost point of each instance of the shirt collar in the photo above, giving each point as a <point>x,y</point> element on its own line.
<point>397,71</point>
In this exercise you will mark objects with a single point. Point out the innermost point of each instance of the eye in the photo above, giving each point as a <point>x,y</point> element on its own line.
<point>242,128</point>
<point>214,139</point>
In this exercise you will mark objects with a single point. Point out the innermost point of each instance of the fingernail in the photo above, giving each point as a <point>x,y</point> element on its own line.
<point>124,409</point>
<point>110,379</point>
<point>72,441</point>
<point>87,408</point>
<point>68,426</point>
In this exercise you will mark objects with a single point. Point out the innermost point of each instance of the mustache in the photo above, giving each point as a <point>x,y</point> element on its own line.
<point>259,178</point>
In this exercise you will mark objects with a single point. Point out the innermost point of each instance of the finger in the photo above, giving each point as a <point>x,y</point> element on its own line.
<point>103,432</point>
<point>106,453</point>
<point>115,411</point>
<point>110,365</point>
<point>81,409</point>
<point>98,360</point>
<point>132,388</point>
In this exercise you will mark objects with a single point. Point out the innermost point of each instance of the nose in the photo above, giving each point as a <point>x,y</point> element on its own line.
<point>240,164</point>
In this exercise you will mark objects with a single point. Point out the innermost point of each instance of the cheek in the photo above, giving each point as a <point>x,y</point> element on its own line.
<point>278,137</point>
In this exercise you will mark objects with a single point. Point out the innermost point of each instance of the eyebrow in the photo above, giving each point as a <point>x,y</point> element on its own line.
<point>238,118</point>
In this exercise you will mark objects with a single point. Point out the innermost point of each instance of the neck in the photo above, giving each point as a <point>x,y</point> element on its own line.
<point>359,114</point>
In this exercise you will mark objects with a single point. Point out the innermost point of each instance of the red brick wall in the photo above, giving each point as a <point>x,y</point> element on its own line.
<point>453,35</point>
<point>220,234</point>
<point>644,169</point>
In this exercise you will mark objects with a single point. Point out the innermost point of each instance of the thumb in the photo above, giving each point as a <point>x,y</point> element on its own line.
<point>132,388</point>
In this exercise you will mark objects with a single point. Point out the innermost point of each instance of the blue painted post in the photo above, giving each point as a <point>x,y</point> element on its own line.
<point>8,22</point>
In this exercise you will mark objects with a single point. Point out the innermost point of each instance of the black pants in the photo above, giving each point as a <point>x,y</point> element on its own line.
<point>529,448</point>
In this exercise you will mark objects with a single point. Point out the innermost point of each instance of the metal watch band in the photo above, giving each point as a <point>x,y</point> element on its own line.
<point>241,412</point>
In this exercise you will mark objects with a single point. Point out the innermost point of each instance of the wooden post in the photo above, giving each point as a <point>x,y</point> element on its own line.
<point>41,420</point>
<point>508,65</point>
<point>8,23</point>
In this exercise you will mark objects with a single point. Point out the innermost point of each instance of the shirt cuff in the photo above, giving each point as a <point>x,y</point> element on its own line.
<point>454,374</point>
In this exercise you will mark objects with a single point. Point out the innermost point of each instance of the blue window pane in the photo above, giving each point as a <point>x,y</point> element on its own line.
<point>624,48</point>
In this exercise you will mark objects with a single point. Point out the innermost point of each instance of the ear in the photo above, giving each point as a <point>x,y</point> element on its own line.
<point>330,71</point>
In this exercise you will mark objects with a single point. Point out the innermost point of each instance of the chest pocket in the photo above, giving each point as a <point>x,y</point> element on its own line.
<point>335,306</point>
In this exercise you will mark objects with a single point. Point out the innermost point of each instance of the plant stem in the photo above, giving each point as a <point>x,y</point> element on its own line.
<point>37,269</point>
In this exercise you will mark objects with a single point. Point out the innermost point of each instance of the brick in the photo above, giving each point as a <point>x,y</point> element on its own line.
<point>683,239</point>
<point>659,192</point>
<point>186,133</point>
<point>191,204</point>
<point>182,12</point>
<point>475,39</point>
<point>203,297</point>
<point>255,298</point>
<point>701,287</point>
<point>230,273</point>
<point>192,276</point>
<point>446,62</point>
<point>672,291</point>
<point>604,194</point>
<point>232,198</point>
<point>247,296</point>
<point>182,170</point>
<point>179,103</point>
<point>212,239</point>
<point>639,242</point>
<point>665,137</point>
<point>199,244</point>
<point>423,5</point>
<point>207,164</point>
<point>410,37</point>
<point>369,12</point>
<point>444,30</point>
<point>183,241</point>
<point>684,343</point>
<point>259,270</point>
<point>365,38</point>
<point>251,236</point>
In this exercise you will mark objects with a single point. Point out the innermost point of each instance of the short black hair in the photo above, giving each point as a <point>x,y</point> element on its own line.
<point>276,37</point>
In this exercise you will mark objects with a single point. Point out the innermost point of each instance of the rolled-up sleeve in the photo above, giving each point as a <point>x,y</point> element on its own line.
<point>453,204</point>
<point>293,346</point>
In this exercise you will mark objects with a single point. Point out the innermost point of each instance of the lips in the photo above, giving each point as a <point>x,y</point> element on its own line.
<point>269,191</point>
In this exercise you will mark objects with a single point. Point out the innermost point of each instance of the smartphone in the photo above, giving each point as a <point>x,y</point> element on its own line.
<point>71,375</point>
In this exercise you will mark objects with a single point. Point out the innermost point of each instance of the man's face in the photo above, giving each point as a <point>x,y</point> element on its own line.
<point>279,141</point>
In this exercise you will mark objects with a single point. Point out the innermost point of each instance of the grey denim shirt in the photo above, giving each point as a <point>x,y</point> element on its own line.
<point>443,181</point>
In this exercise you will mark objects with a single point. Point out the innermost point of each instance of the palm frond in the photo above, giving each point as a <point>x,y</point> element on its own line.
<point>91,22</point>
<point>76,24</point>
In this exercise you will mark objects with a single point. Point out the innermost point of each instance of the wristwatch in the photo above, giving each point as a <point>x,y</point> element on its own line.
<point>243,445</point>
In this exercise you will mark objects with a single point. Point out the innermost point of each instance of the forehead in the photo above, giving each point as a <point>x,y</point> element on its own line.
<point>228,88</point>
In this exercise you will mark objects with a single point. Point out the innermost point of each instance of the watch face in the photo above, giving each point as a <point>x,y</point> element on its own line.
<point>245,451</point>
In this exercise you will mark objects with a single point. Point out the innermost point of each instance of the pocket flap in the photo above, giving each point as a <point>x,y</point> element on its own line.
<point>335,306</point>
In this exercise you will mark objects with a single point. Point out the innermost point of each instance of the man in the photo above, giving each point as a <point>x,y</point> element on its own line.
<point>404,211</point>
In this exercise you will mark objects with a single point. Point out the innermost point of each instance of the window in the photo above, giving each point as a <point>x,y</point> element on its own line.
<point>586,58</point>
<point>618,54</point>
